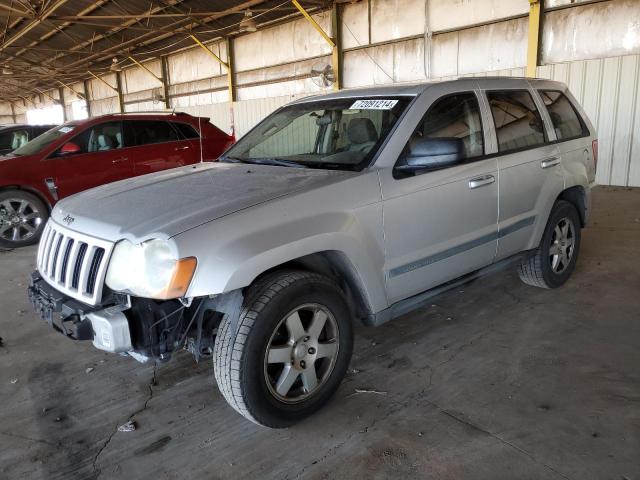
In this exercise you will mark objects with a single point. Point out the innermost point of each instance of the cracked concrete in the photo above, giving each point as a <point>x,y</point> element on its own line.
<point>495,380</point>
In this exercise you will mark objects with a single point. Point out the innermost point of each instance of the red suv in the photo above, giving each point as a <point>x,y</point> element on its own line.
<point>84,154</point>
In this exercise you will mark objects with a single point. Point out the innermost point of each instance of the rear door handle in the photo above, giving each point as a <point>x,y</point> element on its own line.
<point>481,181</point>
<point>186,147</point>
<point>550,162</point>
<point>119,160</point>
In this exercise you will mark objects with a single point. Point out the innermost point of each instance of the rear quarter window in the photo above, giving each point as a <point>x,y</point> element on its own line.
<point>187,131</point>
<point>566,121</point>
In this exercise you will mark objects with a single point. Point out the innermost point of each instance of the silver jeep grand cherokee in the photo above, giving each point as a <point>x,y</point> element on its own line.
<point>359,204</point>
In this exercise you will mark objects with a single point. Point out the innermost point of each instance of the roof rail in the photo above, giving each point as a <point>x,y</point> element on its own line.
<point>154,112</point>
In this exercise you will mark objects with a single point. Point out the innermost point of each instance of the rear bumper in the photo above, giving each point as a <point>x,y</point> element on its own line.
<point>107,328</point>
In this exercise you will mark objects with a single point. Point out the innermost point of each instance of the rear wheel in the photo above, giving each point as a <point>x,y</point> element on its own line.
<point>289,351</point>
<point>22,218</point>
<point>554,260</point>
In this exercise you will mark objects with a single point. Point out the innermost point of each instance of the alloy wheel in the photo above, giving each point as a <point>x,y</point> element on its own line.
<point>562,245</point>
<point>301,353</point>
<point>19,219</point>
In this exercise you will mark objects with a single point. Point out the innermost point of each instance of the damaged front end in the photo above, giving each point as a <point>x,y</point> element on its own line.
<point>142,328</point>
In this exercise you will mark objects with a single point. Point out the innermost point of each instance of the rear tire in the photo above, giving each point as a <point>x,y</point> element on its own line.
<point>289,351</point>
<point>22,218</point>
<point>555,259</point>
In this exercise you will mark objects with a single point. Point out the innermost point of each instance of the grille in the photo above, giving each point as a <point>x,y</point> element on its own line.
<point>73,263</point>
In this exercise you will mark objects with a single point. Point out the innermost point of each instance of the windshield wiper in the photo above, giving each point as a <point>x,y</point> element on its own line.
<point>267,161</point>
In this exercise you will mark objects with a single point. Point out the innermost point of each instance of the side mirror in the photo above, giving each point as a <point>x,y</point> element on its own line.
<point>432,153</point>
<point>69,148</point>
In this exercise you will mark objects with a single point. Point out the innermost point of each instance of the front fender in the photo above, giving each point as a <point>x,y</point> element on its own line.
<point>233,261</point>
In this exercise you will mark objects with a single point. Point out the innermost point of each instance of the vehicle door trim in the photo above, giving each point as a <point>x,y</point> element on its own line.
<point>463,247</point>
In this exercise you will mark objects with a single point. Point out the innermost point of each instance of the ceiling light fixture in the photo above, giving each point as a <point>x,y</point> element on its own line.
<point>248,24</point>
<point>114,65</point>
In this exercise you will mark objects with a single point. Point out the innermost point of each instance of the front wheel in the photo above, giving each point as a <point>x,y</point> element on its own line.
<point>22,218</point>
<point>289,350</point>
<point>554,260</point>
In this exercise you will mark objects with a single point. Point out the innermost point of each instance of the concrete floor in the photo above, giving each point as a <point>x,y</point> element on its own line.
<point>496,380</point>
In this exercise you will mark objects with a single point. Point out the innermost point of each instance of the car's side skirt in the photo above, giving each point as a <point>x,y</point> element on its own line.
<point>422,299</point>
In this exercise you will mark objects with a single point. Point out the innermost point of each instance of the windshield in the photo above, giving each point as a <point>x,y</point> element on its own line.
<point>342,134</point>
<point>44,140</point>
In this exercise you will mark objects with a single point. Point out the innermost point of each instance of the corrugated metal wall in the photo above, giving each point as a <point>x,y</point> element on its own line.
<point>608,90</point>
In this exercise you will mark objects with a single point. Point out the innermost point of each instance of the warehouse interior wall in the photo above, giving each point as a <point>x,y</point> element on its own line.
<point>593,46</point>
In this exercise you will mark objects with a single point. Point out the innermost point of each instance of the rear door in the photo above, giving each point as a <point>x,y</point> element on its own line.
<point>100,159</point>
<point>571,132</point>
<point>528,163</point>
<point>155,145</point>
<point>441,224</point>
<point>189,142</point>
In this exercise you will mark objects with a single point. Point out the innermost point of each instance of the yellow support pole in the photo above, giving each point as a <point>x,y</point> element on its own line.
<point>78,94</point>
<point>145,69</point>
<point>229,66</point>
<point>533,46</point>
<point>314,23</point>
<point>204,47</point>
<point>336,53</point>
<point>103,81</point>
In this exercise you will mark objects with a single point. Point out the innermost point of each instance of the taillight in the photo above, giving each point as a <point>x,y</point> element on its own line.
<point>594,153</point>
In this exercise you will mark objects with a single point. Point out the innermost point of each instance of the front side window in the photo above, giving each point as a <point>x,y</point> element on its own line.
<point>454,117</point>
<point>517,120</point>
<point>147,132</point>
<point>44,140</point>
<point>566,122</point>
<point>342,134</point>
<point>100,138</point>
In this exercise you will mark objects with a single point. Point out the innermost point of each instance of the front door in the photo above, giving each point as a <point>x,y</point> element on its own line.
<point>100,159</point>
<point>441,224</point>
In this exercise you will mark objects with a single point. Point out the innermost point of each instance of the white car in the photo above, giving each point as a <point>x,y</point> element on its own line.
<point>359,205</point>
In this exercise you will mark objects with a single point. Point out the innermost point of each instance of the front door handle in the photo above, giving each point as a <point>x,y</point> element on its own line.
<point>186,147</point>
<point>119,160</point>
<point>481,181</point>
<point>550,162</point>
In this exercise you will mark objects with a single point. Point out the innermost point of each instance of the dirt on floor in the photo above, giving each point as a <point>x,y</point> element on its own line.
<point>495,380</point>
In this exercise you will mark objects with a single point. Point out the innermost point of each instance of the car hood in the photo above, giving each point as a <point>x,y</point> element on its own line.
<point>167,203</point>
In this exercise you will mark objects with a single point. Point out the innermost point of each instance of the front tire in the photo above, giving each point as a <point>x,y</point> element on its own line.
<point>555,259</point>
<point>22,218</point>
<point>288,352</point>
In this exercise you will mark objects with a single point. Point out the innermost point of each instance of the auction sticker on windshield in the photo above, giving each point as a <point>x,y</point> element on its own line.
<point>378,104</point>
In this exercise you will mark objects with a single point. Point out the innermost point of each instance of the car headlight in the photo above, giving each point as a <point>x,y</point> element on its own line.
<point>149,270</point>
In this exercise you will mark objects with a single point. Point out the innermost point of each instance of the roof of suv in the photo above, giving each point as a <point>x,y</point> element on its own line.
<point>413,89</point>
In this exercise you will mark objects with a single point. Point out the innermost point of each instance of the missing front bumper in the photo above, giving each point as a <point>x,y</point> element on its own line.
<point>108,328</point>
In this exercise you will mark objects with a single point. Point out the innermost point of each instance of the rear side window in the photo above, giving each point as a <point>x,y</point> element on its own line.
<point>147,132</point>
<point>13,140</point>
<point>187,131</point>
<point>518,122</point>
<point>566,122</point>
<point>455,116</point>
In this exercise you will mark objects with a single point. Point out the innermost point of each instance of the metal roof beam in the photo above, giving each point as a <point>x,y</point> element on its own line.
<point>31,25</point>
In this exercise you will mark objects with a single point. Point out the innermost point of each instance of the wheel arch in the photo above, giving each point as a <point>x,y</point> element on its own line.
<point>32,191</point>
<point>337,266</point>
<point>576,195</point>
